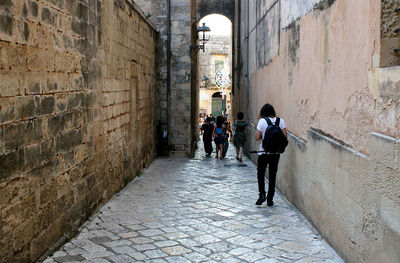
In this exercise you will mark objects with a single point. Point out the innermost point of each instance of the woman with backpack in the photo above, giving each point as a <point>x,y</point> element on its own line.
<point>267,157</point>
<point>239,139</point>
<point>218,135</point>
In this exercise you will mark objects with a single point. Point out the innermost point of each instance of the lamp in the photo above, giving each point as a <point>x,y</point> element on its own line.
<point>205,80</point>
<point>195,48</point>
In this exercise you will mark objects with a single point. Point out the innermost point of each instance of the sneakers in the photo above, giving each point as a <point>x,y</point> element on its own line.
<point>261,199</point>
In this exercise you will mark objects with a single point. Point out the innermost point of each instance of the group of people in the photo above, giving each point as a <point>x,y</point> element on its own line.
<point>219,131</point>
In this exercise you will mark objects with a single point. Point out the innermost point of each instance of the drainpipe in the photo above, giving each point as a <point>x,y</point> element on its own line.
<point>168,47</point>
<point>167,131</point>
<point>248,58</point>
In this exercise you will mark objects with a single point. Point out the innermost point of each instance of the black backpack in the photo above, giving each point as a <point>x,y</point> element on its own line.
<point>274,141</point>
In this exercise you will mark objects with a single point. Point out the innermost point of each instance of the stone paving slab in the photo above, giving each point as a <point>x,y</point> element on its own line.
<point>196,210</point>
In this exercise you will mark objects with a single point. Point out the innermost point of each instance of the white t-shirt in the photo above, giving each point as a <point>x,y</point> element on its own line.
<point>262,126</point>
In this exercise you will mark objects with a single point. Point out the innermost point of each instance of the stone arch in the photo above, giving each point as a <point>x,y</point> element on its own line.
<point>221,7</point>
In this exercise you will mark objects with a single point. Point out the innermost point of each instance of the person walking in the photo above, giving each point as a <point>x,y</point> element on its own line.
<point>239,139</point>
<point>227,133</point>
<point>207,129</point>
<point>201,122</point>
<point>212,118</point>
<point>218,135</point>
<point>267,118</point>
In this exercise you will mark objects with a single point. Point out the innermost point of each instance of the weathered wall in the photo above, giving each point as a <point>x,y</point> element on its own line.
<point>318,63</point>
<point>156,12</point>
<point>76,78</point>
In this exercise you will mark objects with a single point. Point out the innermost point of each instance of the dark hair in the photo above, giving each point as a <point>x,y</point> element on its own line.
<point>220,121</point>
<point>267,111</point>
<point>240,116</point>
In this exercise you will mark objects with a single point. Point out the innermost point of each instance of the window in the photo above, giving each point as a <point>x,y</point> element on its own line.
<point>219,64</point>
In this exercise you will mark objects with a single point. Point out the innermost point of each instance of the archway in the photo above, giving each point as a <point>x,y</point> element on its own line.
<point>202,82</point>
<point>215,67</point>
<point>222,7</point>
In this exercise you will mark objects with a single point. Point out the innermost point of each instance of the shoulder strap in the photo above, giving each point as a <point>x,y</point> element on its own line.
<point>277,121</point>
<point>268,121</point>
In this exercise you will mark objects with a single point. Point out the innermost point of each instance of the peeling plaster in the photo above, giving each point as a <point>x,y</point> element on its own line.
<point>293,10</point>
<point>384,84</point>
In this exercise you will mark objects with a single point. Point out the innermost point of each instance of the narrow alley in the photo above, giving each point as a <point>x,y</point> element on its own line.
<point>196,210</point>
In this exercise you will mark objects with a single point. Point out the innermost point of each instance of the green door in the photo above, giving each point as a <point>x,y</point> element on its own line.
<point>217,104</point>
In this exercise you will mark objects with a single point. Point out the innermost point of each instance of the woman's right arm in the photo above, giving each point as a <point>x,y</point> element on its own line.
<point>258,136</point>
<point>285,132</point>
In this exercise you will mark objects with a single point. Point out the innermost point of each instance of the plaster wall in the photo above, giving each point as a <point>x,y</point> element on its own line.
<point>342,112</point>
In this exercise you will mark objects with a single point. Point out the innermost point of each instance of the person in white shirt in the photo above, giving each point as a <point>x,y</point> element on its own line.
<point>264,158</point>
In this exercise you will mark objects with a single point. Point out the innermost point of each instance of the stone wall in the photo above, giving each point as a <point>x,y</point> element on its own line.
<point>177,99</point>
<point>77,82</point>
<point>156,11</point>
<point>209,7</point>
<point>390,33</point>
<point>321,71</point>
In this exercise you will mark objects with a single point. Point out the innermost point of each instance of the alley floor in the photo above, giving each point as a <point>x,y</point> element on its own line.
<point>196,210</point>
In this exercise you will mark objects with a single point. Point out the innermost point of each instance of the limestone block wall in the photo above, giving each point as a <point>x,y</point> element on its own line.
<point>76,114</point>
<point>318,62</point>
<point>156,11</point>
<point>175,103</point>
<point>182,96</point>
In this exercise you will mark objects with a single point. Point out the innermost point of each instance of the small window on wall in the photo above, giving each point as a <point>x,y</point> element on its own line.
<point>390,33</point>
<point>219,61</point>
<point>219,64</point>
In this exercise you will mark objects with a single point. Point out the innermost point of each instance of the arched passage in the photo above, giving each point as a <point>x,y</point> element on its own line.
<point>222,7</point>
<point>214,67</point>
<point>200,10</point>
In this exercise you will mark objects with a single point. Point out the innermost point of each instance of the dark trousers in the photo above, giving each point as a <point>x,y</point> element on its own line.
<point>263,160</point>
<point>208,145</point>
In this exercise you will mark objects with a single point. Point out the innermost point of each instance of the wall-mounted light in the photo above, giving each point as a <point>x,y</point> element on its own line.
<point>205,80</point>
<point>203,40</point>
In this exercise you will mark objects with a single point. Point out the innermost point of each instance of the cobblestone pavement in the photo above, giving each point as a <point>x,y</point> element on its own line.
<point>196,210</point>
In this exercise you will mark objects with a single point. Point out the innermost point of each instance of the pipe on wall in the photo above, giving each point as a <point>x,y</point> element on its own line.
<point>168,66</point>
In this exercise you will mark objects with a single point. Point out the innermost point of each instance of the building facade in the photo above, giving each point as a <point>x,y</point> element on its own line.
<point>215,76</point>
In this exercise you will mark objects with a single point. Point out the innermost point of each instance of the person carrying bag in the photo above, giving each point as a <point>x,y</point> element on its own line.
<point>272,134</point>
